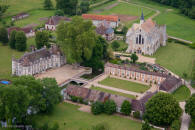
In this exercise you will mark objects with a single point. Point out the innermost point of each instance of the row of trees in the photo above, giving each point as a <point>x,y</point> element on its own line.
<point>27,96</point>
<point>80,44</point>
<point>69,7</point>
<point>187,7</point>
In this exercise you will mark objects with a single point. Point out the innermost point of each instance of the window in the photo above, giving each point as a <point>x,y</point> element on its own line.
<point>140,39</point>
<point>136,40</point>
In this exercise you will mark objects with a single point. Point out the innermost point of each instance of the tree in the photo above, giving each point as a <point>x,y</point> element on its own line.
<point>97,108</point>
<point>77,39</point>
<point>3,9</point>
<point>190,107</point>
<point>59,13</point>
<point>109,107</point>
<point>84,6</point>
<point>126,107</point>
<point>134,57</point>
<point>3,35</point>
<point>146,126</point>
<point>68,6</point>
<point>115,45</point>
<point>14,104</point>
<point>12,39</point>
<point>42,39</point>
<point>100,126</point>
<point>48,4</point>
<point>20,41</point>
<point>162,109</point>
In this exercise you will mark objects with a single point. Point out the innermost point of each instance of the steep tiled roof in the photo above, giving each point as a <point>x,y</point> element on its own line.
<point>134,69</point>
<point>100,17</point>
<point>148,25</point>
<point>54,20</point>
<point>34,56</point>
<point>94,95</point>
<point>25,29</point>
<point>169,83</point>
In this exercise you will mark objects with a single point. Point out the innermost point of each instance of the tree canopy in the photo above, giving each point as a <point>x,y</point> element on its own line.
<point>134,57</point>
<point>48,4</point>
<point>12,39</point>
<point>126,107</point>
<point>42,39</point>
<point>20,41</point>
<point>68,6</point>
<point>162,109</point>
<point>77,39</point>
<point>3,35</point>
<point>190,107</point>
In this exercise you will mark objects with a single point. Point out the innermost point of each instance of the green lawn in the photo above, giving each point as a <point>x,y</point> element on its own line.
<point>113,92</point>
<point>76,120</point>
<point>18,6</point>
<point>124,84</point>
<point>176,57</point>
<point>34,17</point>
<point>6,60</point>
<point>178,25</point>
<point>182,93</point>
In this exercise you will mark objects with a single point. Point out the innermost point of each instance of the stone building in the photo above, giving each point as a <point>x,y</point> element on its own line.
<point>52,22</point>
<point>146,37</point>
<point>20,16</point>
<point>99,19</point>
<point>29,32</point>
<point>165,82</point>
<point>38,61</point>
<point>105,31</point>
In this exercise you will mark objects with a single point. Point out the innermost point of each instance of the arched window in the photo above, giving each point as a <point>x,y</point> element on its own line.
<point>140,39</point>
<point>136,40</point>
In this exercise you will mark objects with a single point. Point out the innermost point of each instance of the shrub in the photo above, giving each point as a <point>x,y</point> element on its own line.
<point>146,126</point>
<point>101,126</point>
<point>74,98</point>
<point>97,108</point>
<point>109,107</point>
<point>80,100</point>
<point>115,45</point>
<point>176,125</point>
<point>126,107</point>
<point>136,114</point>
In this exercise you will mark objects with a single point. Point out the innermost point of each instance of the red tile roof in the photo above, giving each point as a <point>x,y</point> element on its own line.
<point>100,17</point>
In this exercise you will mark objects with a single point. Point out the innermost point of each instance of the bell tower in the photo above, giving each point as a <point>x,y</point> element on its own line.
<point>142,18</point>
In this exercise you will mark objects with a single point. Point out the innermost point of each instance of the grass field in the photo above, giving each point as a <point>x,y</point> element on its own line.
<point>18,6</point>
<point>124,84</point>
<point>113,92</point>
<point>176,57</point>
<point>182,93</point>
<point>6,60</point>
<point>178,25</point>
<point>77,120</point>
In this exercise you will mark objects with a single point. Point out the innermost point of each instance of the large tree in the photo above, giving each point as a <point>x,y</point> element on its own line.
<point>12,39</point>
<point>3,35</point>
<point>190,107</point>
<point>68,6</point>
<point>77,39</point>
<point>14,103</point>
<point>42,39</point>
<point>134,57</point>
<point>20,41</point>
<point>162,109</point>
<point>3,9</point>
<point>126,107</point>
<point>48,4</point>
<point>84,6</point>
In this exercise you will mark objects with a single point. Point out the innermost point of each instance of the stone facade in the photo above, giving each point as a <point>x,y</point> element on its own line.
<point>146,37</point>
<point>38,61</point>
<point>99,19</point>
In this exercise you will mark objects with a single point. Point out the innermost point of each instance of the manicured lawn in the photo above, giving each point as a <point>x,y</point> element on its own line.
<point>6,60</point>
<point>182,93</point>
<point>124,84</point>
<point>176,57</point>
<point>178,25</point>
<point>76,120</point>
<point>113,92</point>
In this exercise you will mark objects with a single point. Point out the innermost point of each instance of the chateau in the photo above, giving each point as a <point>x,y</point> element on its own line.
<point>38,61</point>
<point>146,37</point>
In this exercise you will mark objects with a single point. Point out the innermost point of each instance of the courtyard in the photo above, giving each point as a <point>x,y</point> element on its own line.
<point>62,74</point>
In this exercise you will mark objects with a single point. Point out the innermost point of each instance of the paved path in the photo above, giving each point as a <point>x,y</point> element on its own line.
<point>179,39</point>
<point>185,118</point>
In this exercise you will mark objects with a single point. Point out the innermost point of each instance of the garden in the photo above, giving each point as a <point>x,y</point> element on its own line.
<point>124,84</point>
